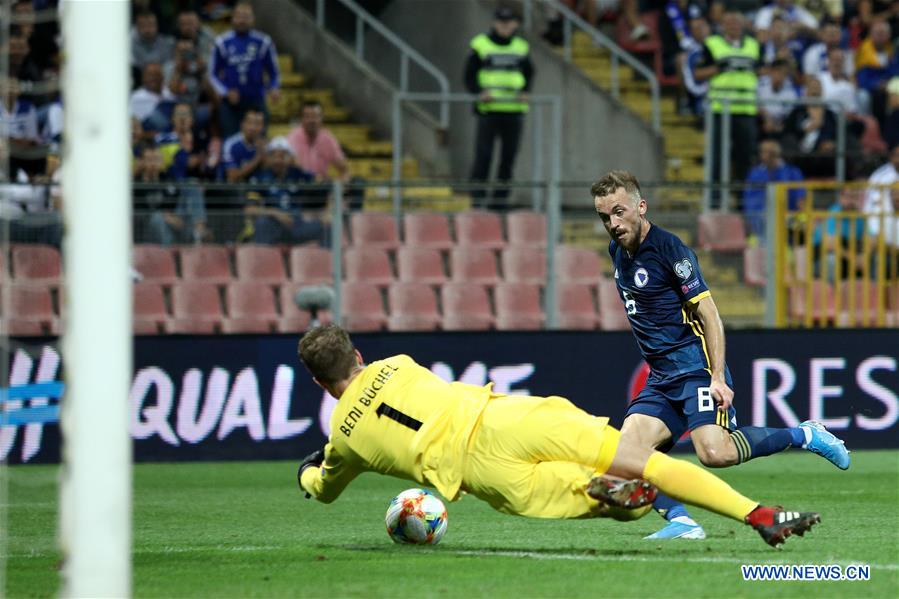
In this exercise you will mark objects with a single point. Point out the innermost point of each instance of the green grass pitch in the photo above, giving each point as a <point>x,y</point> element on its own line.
<point>244,530</point>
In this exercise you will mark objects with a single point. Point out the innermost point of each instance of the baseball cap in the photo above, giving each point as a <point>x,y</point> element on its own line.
<point>505,13</point>
<point>279,143</point>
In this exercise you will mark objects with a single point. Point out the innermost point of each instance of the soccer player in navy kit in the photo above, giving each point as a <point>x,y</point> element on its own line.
<point>680,334</point>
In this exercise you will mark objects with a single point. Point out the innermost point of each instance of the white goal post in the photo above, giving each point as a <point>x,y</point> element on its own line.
<point>95,490</point>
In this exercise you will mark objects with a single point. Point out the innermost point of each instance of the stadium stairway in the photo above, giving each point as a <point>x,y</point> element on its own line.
<point>369,158</point>
<point>684,145</point>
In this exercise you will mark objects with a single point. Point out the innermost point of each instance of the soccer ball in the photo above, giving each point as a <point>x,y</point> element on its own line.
<point>416,517</point>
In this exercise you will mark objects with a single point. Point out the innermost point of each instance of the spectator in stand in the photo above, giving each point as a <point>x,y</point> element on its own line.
<point>196,164</point>
<point>316,149</point>
<point>799,18</point>
<point>189,27</point>
<point>696,90</point>
<point>777,97</point>
<point>146,101</point>
<point>875,64</point>
<point>810,135</point>
<point>826,239</point>
<point>870,11</point>
<point>677,25</point>
<point>771,169</point>
<point>275,213</point>
<point>187,80</point>
<point>836,86</point>
<point>19,127</point>
<point>243,152</point>
<point>782,44</point>
<point>243,68</point>
<point>882,206</point>
<point>629,10</point>
<point>170,216</point>
<point>21,64</point>
<point>816,59</point>
<point>148,46</point>
<point>891,130</point>
<point>729,63</point>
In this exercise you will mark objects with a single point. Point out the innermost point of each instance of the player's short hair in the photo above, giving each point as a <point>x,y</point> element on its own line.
<point>328,353</point>
<point>615,180</point>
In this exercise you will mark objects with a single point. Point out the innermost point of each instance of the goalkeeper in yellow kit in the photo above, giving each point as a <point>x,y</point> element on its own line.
<point>541,457</point>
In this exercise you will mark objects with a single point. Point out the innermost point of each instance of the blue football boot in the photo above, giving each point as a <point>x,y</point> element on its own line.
<point>678,530</point>
<point>825,444</point>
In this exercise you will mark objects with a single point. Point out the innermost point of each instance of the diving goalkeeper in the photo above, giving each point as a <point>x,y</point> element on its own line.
<point>541,457</point>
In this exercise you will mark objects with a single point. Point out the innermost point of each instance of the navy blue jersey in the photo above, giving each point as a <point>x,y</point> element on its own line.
<point>656,284</point>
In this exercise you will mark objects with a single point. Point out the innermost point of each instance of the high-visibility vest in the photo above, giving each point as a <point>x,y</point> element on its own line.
<point>501,73</point>
<point>735,84</point>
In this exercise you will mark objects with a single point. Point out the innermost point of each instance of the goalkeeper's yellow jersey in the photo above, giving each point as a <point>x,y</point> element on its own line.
<point>399,418</point>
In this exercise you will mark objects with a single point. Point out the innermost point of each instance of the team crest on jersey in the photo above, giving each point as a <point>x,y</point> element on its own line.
<point>683,269</point>
<point>641,277</point>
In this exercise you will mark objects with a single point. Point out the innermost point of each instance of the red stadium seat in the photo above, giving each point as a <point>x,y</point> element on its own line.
<point>518,307</point>
<point>754,272</point>
<point>722,232</point>
<point>525,227</point>
<point>374,230</point>
<point>413,307</point>
<point>576,307</point>
<point>822,302</point>
<point>524,264</point>
<point>363,307</point>
<point>155,263</point>
<point>196,308</point>
<point>251,308</point>
<point>863,313</point>
<point>260,263</point>
<point>478,228</point>
<point>368,265</point>
<point>311,265</point>
<point>578,265</point>
<point>423,265</point>
<point>36,264</point>
<point>612,315</point>
<point>31,311</point>
<point>206,263</point>
<point>427,230</point>
<point>466,307</point>
<point>150,316</point>
<point>474,265</point>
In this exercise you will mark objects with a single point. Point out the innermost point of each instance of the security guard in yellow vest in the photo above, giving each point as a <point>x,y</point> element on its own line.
<point>729,64</point>
<point>499,71</point>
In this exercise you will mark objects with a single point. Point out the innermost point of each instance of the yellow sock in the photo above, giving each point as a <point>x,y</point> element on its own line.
<point>691,484</point>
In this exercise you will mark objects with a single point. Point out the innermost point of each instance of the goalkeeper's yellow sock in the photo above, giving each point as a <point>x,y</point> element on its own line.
<point>691,484</point>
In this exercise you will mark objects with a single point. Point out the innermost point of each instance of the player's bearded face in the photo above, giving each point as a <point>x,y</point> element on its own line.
<point>621,215</point>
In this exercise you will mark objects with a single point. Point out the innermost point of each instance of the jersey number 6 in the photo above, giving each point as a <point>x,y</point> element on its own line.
<point>629,303</point>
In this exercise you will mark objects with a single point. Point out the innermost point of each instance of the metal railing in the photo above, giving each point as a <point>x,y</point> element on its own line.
<point>833,268</point>
<point>570,20</point>
<point>407,53</point>
<point>725,137</point>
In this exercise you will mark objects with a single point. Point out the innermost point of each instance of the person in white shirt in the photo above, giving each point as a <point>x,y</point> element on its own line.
<point>147,97</point>
<point>816,59</point>
<point>836,86</point>
<point>776,97</point>
<point>882,207</point>
<point>789,12</point>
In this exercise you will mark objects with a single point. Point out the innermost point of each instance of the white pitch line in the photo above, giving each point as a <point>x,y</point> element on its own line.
<point>637,558</point>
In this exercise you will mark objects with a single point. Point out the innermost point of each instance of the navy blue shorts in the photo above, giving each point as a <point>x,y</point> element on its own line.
<point>683,403</point>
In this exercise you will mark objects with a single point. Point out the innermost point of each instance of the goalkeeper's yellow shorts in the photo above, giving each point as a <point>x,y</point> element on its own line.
<point>533,456</point>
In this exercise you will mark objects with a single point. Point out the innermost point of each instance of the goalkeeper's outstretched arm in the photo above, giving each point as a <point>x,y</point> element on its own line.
<point>327,479</point>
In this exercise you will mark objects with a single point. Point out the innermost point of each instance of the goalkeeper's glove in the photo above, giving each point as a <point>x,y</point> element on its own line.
<point>314,459</point>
